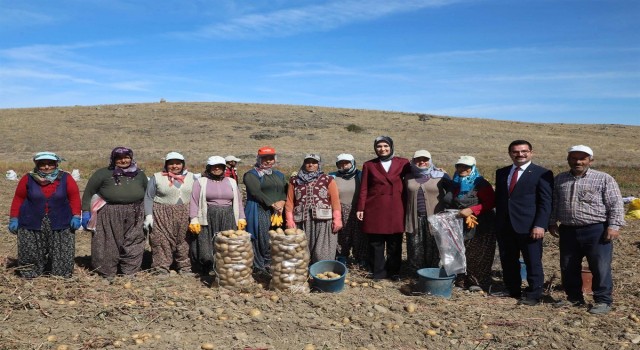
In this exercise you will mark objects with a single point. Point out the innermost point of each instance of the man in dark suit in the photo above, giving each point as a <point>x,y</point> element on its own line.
<point>523,207</point>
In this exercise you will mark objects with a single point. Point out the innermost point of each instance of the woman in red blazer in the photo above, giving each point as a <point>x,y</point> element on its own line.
<point>381,208</point>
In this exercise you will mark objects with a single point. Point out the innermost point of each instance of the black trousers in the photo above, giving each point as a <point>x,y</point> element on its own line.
<point>388,266</point>
<point>511,244</point>
<point>587,241</point>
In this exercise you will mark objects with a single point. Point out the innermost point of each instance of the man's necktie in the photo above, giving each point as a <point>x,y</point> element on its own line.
<point>514,179</point>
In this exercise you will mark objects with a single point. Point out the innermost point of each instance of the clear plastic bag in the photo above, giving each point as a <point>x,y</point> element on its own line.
<point>233,261</point>
<point>447,229</point>
<point>289,262</point>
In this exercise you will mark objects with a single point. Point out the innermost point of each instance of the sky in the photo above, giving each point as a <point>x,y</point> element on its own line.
<point>547,61</point>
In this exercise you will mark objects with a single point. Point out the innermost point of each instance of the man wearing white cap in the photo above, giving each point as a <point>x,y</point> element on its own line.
<point>230,170</point>
<point>587,215</point>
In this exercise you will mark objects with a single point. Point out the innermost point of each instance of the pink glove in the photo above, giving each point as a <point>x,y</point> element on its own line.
<point>290,222</point>
<point>336,225</point>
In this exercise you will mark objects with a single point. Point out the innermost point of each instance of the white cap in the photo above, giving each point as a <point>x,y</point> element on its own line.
<point>231,158</point>
<point>345,156</point>
<point>174,155</point>
<point>422,153</point>
<point>466,160</point>
<point>313,156</point>
<point>581,148</point>
<point>215,160</point>
<point>46,155</point>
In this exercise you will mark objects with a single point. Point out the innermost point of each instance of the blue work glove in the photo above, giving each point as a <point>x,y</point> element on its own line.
<point>75,223</point>
<point>13,225</point>
<point>86,216</point>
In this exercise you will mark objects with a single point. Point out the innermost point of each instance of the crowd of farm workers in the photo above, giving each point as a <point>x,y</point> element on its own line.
<point>358,217</point>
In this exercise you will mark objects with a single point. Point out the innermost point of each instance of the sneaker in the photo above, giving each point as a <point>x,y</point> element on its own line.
<point>475,288</point>
<point>600,308</point>
<point>568,303</point>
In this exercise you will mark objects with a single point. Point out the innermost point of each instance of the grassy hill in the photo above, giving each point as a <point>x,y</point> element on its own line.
<point>84,135</point>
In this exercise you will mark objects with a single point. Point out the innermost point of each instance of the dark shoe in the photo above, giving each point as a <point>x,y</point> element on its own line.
<point>376,278</point>
<point>262,274</point>
<point>600,309</point>
<point>505,294</point>
<point>568,303</point>
<point>395,278</point>
<point>529,301</point>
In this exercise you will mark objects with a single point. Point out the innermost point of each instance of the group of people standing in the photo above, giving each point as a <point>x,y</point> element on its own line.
<point>583,206</point>
<point>349,215</point>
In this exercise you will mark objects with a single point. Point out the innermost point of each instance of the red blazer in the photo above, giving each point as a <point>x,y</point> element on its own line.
<point>382,196</point>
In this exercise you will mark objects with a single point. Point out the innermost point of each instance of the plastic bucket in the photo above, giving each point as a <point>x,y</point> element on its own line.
<point>333,285</point>
<point>435,281</point>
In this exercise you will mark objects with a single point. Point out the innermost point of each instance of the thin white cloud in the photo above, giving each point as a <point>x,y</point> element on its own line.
<point>41,75</point>
<point>131,85</point>
<point>311,18</point>
<point>57,55</point>
<point>40,64</point>
<point>13,17</point>
<point>300,70</point>
<point>551,77</point>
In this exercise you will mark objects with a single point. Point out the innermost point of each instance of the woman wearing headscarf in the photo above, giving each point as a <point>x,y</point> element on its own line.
<point>475,198</point>
<point>166,208</point>
<point>350,237</point>
<point>112,205</point>
<point>44,214</point>
<point>426,188</point>
<point>381,208</point>
<point>266,195</point>
<point>216,205</point>
<point>313,205</point>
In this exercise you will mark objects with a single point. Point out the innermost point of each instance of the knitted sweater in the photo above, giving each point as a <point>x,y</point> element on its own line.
<point>130,190</point>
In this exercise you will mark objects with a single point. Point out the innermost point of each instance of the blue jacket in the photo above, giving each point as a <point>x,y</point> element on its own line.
<point>529,205</point>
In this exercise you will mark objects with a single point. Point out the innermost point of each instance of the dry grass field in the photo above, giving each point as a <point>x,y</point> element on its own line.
<point>85,135</point>
<point>184,313</point>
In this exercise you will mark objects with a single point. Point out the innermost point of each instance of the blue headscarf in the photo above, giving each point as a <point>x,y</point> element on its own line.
<point>467,183</point>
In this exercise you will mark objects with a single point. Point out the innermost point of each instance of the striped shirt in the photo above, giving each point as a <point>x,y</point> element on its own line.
<point>589,199</point>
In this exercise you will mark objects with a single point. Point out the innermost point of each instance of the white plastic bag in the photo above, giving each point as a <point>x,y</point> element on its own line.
<point>11,175</point>
<point>75,174</point>
<point>448,232</point>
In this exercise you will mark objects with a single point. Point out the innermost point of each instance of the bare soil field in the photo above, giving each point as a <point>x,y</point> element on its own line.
<point>148,312</point>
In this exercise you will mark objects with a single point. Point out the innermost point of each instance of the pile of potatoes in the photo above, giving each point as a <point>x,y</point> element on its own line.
<point>289,260</point>
<point>233,258</point>
<point>328,275</point>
